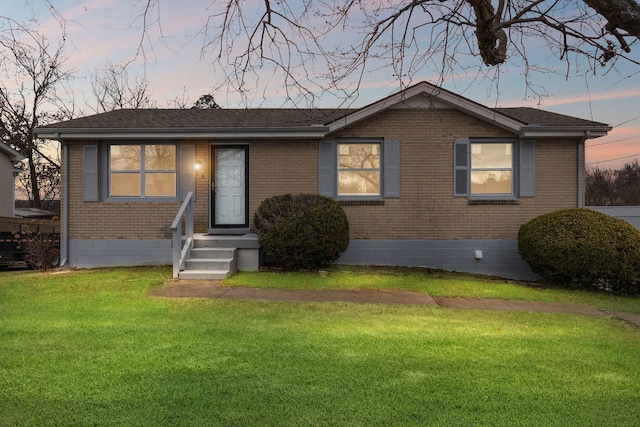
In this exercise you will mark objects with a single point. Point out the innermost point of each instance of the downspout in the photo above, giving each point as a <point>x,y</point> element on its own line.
<point>581,166</point>
<point>64,235</point>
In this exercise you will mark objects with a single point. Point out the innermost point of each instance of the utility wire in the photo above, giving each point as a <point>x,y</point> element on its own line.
<point>627,121</point>
<point>611,142</point>
<point>611,160</point>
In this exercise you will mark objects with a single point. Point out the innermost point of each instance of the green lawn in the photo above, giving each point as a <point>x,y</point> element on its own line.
<point>436,283</point>
<point>93,348</point>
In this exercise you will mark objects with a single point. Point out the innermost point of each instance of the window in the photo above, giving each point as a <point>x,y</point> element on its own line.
<point>358,169</point>
<point>494,168</point>
<point>142,170</point>
<point>491,168</point>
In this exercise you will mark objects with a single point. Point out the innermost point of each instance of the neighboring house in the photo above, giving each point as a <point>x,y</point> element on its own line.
<point>8,171</point>
<point>631,214</point>
<point>426,177</point>
<point>34,213</point>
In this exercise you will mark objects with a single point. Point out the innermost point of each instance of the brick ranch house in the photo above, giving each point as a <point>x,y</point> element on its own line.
<point>426,177</point>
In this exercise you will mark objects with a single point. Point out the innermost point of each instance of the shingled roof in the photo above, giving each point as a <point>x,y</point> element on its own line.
<point>304,122</point>
<point>534,116</point>
<point>268,118</point>
<point>203,119</point>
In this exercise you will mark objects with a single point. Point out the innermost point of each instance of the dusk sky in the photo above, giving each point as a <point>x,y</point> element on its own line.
<point>102,31</point>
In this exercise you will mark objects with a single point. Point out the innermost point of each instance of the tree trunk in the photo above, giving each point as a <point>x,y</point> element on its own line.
<point>620,14</point>
<point>492,41</point>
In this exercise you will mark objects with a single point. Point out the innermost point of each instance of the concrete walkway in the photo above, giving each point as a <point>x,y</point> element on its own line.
<point>212,289</point>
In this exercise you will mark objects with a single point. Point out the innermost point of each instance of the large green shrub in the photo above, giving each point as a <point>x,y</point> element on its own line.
<point>581,248</point>
<point>303,231</point>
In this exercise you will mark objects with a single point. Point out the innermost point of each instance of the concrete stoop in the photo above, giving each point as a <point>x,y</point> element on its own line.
<point>218,257</point>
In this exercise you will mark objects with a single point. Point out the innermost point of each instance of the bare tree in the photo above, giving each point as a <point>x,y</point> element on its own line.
<point>48,174</point>
<point>608,187</point>
<point>304,43</point>
<point>627,184</point>
<point>113,89</point>
<point>181,102</point>
<point>32,72</point>
<point>600,187</point>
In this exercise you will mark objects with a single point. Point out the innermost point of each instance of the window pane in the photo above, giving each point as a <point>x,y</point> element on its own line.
<point>491,182</point>
<point>359,183</point>
<point>160,184</point>
<point>125,157</point>
<point>125,184</point>
<point>160,157</point>
<point>489,156</point>
<point>359,156</point>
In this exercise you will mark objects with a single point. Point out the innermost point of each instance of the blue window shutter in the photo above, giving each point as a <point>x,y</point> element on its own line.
<point>461,165</point>
<point>391,177</point>
<point>187,170</point>
<point>328,169</point>
<point>527,168</point>
<point>90,173</point>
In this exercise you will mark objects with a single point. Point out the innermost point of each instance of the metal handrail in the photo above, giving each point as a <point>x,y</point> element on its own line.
<point>180,249</point>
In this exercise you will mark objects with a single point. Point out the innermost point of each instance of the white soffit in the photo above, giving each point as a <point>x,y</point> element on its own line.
<point>13,155</point>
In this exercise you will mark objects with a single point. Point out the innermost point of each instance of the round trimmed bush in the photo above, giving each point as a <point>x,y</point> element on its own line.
<point>303,231</point>
<point>582,248</point>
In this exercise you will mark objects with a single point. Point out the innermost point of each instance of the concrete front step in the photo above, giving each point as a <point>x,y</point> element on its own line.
<point>218,257</point>
<point>204,274</point>
<point>213,253</point>
<point>247,241</point>
<point>210,264</point>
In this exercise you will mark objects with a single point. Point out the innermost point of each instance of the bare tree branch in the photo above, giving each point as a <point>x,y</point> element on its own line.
<point>311,47</point>
<point>112,89</point>
<point>32,72</point>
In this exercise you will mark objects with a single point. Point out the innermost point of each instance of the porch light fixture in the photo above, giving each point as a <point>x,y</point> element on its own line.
<point>197,166</point>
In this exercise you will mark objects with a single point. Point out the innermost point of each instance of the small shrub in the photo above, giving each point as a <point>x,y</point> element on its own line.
<point>581,248</point>
<point>303,231</point>
<point>42,248</point>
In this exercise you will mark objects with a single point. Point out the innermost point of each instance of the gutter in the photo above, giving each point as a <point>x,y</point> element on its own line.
<point>182,133</point>
<point>581,166</point>
<point>536,131</point>
<point>64,235</point>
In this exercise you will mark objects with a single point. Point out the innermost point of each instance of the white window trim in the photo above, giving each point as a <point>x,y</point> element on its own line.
<point>379,169</point>
<point>513,169</point>
<point>106,174</point>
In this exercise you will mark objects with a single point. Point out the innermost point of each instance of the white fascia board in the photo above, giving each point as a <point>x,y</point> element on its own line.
<point>14,156</point>
<point>455,101</point>
<point>564,132</point>
<point>173,133</point>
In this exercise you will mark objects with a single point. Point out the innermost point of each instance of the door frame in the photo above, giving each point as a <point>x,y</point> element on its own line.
<point>242,228</point>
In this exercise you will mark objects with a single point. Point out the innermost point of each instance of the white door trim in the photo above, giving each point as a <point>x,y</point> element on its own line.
<point>214,223</point>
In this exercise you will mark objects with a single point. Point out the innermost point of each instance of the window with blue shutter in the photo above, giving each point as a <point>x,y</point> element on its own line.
<point>391,176</point>
<point>90,173</point>
<point>358,168</point>
<point>461,167</point>
<point>527,168</point>
<point>487,168</point>
<point>146,171</point>
<point>327,169</point>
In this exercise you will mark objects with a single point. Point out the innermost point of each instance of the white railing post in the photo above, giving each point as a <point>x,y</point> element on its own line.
<point>180,250</point>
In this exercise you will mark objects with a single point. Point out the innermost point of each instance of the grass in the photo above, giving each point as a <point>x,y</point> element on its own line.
<point>93,348</point>
<point>436,283</point>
